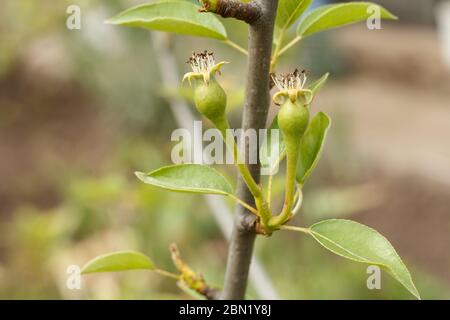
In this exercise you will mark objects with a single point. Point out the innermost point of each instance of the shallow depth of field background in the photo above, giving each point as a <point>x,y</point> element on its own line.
<point>81,110</point>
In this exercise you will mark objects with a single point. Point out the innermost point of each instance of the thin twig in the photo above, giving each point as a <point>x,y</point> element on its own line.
<point>167,274</point>
<point>275,54</point>
<point>244,204</point>
<point>289,45</point>
<point>269,190</point>
<point>234,45</point>
<point>294,228</point>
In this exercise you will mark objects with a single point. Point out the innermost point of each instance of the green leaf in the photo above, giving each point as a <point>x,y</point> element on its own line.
<point>172,16</point>
<point>266,154</point>
<point>311,146</point>
<point>318,84</point>
<point>289,11</point>
<point>360,243</point>
<point>195,178</point>
<point>338,15</point>
<point>118,261</point>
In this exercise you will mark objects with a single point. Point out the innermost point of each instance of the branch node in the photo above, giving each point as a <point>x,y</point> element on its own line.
<point>191,279</point>
<point>248,12</point>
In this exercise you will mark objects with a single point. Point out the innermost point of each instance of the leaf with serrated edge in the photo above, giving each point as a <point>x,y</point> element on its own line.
<point>172,16</point>
<point>118,261</point>
<point>338,15</point>
<point>361,243</point>
<point>192,178</point>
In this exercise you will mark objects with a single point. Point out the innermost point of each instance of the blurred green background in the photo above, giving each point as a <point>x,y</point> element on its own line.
<point>81,110</point>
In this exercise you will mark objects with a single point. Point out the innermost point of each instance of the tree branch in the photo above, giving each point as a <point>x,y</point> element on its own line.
<point>191,279</point>
<point>166,61</point>
<point>254,117</point>
<point>248,12</point>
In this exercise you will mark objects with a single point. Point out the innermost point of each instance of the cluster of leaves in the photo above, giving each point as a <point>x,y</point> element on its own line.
<point>183,17</point>
<point>346,238</point>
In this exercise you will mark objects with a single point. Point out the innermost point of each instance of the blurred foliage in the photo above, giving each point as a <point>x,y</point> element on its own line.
<point>99,214</point>
<point>96,215</point>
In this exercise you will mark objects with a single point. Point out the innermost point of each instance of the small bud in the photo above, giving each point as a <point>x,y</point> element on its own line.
<point>203,66</point>
<point>209,5</point>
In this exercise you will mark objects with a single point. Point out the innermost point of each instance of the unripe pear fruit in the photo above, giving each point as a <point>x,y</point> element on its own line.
<point>293,119</point>
<point>210,100</point>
